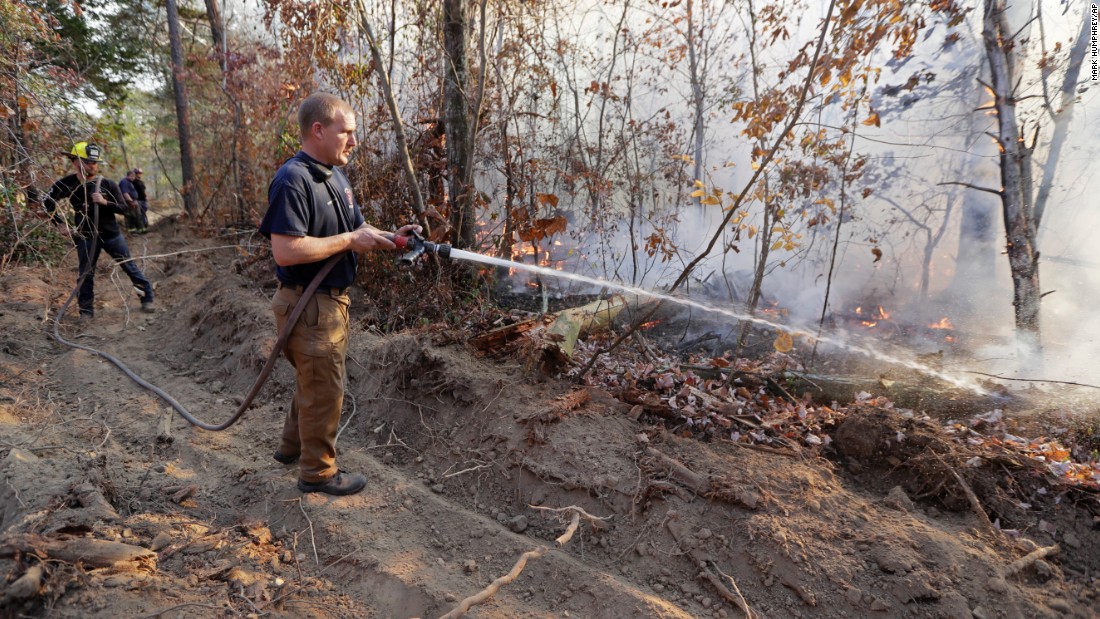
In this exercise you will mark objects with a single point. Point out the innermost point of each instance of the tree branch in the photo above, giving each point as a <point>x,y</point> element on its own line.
<point>985,189</point>
<point>732,210</point>
<point>398,127</point>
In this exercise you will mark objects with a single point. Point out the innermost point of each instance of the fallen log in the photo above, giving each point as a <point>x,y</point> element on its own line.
<point>497,340</point>
<point>90,552</point>
<point>549,348</point>
<point>571,323</point>
<point>649,401</point>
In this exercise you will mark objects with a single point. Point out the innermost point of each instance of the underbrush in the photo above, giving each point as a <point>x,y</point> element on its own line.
<point>29,242</point>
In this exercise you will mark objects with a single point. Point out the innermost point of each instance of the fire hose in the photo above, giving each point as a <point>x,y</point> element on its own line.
<point>413,244</point>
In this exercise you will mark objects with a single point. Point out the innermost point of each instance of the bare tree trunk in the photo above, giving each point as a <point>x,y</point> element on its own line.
<point>457,122</point>
<point>217,32</point>
<point>183,121</point>
<point>977,252</point>
<point>1062,116</point>
<point>510,191</point>
<point>696,96</point>
<point>395,116</point>
<point>221,46</point>
<point>1023,255</point>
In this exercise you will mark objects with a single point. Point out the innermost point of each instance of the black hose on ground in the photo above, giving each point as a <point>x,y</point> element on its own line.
<point>280,343</point>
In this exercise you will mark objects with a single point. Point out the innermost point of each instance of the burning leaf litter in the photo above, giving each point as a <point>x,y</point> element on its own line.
<point>744,401</point>
<point>741,400</point>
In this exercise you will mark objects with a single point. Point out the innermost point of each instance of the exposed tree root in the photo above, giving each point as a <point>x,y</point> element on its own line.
<point>465,605</point>
<point>703,561</point>
<point>1029,559</point>
<point>975,504</point>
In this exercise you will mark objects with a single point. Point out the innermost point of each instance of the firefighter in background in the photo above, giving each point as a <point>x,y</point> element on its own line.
<point>95,201</point>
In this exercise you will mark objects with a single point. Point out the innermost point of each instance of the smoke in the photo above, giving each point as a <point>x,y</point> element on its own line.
<point>930,135</point>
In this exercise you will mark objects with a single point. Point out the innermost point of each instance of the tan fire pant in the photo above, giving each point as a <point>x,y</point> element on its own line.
<point>316,348</point>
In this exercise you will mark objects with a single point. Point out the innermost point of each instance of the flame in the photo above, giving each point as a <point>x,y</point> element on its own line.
<point>942,323</point>
<point>649,325</point>
<point>872,318</point>
<point>524,252</point>
<point>949,338</point>
<point>774,312</point>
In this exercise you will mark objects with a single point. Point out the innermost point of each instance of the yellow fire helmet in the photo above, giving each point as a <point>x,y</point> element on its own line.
<point>88,152</point>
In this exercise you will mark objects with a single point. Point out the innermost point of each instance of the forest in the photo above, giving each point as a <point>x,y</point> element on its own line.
<point>728,308</point>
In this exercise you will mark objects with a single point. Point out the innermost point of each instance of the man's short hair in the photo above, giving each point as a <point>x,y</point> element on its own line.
<point>319,107</point>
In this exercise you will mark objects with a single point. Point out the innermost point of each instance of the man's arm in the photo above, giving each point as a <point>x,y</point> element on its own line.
<point>126,187</point>
<point>109,196</point>
<point>49,201</point>
<point>292,250</point>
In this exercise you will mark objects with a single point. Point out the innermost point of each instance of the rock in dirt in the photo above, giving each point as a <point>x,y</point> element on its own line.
<point>890,560</point>
<point>954,606</point>
<point>1071,540</point>
<point>1061,606</point>
<point>160,542</point>
<point>518,524</point>
<point>854,595</point>
<point>914,589</point>
<point>25,586</point>
<point>997,585</point>
<point>878,605</point>
<point>89,496</point>
<point>897,499</point>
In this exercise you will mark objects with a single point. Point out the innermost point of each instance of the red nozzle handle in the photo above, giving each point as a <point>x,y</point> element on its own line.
<point>400,240</point>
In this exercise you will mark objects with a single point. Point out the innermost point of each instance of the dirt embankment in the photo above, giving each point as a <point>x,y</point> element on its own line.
<point>461,455</point>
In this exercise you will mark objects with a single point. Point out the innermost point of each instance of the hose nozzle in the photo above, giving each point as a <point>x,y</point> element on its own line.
<point>415,245</point>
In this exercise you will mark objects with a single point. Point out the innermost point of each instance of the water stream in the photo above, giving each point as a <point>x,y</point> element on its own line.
<point>834,340</point>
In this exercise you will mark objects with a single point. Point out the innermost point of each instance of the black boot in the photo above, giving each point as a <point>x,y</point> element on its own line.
<point>339,484</point>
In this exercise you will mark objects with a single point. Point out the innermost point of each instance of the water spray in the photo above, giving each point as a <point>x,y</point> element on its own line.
<point>459,254</point>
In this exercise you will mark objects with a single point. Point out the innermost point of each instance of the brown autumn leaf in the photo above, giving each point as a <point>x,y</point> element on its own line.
<point>547,198</point>
<point>872,120</point>
<point>877,253</point>
<point>542,228</point>
<point>850,11</point>
<point>783,342</point>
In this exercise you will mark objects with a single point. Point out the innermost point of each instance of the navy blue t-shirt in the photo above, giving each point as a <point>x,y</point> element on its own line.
<point>298,204</point>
